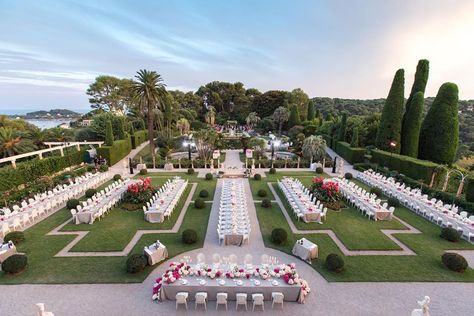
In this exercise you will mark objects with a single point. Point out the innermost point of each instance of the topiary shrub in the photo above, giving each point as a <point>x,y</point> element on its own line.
<point>72,203</point>
<point>376,191</point>
<point>334,263</point>
<point>103,168</point>
<point>136,263</point>
<point>90,168</point>
<point>279,236</point>
<point>208,176</point>
<point>189,236</point>
<point>393,202</point>
<point>262,193</point>
<point>450,234</point>
<point>266,203</point>
<point>143,172</point>
<point>319,170</point>
<point>15,264</point>
<point>199,203</point>
<point>117,177</point>
<point>454,262</point>
<point>16,237</point>
<point>257,177</point>
<point>203,194</point>
<point>273,171</point>
<point>90,193</point>
<point>348,176</point>
<point>190,171</point>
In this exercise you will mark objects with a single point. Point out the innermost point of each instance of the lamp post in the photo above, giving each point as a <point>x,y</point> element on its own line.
<point>392,146</point>
<point>189,144</point>
<point>274,142</point>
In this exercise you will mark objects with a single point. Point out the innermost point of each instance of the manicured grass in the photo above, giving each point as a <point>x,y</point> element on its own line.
<point>113,232</point>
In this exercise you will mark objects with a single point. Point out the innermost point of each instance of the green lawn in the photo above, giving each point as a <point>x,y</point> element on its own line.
<point>425,266</point>
<point>113,232</point>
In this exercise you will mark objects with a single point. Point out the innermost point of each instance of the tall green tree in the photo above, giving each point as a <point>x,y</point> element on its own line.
<point>110,93</point>
<point>355,137</point>
<point>419,85</point>
<point>314,147</point>
<point>300,99</point>
<point>280,116</point>
<point>439,133</point>
<point>121,130</point>
<point>294,118</point>
<point>109,134</point>
<point>390,127</point>
<point>149,91</point>
<point>412,125</point>
<point>341,136</point>
<point>311,112</point>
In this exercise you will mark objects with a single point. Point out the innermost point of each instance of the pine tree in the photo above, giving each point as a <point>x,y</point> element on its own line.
<point>411,129</point>
<point>311,111</point>
<point>109,134</point>
<point>294,118</point>
<point>391,121</point>
<point>355,137</point>
<point>341,136</point>
<point>439,133</point>
<point>121,130</point>
<point>419,85</point>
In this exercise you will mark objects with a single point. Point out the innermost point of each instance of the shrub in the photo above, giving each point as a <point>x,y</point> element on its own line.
<point>189,236</point>
<point>16,237</point>
<point>136,263</point>
<point>279,236</point>
<point>334,263</point>
<point>15,264</point>
<point>319,170</point>
<point>273,171</point>
<point>72,203</point>
<point>257,177</point>
<point>199,203</point>
<point>393,202</point>
<point>262,193</point>
<point>103,168</point>
<point>454,261</point>
<point>376,191</point>
<point>208,176</point>
<point>348,176</point>
<point>143,172</point>
<point>90,193</point>
<point>203,194</point>
<point>450,234</point>
<point>190,171</point>
<point>117,177</point>
<point>266,203</point>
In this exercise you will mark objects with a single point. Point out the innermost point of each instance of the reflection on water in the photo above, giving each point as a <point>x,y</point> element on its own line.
<point>47,123</point>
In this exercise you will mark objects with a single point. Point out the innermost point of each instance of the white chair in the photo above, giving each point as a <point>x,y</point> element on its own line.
<point>240,299</point>
<point>277,298</point>
<point>40,310</point>
<point>5,229</point>
<point>233,259</point>
<point>221,299</point>
<point>182,298</point>
<point>201,258</point>
<point>200,298</point>
<point>257,299</point>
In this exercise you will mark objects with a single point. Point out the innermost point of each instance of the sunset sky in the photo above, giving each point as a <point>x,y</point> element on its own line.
<point>50,51</point>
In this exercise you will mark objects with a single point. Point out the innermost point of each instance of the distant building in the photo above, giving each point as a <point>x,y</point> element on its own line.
<point>85,123</point>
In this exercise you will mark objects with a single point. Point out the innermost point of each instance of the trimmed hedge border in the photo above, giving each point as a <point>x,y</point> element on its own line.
<point>116,152</point>
<point>351,155</point>
<point>138,138</point>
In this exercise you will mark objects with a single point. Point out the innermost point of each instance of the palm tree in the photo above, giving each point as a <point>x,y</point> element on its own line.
<point>11,144</point>
<point>252,119</point>
<point>149,90</point>
<point>281,116</point>
<point>314,147</point>
<point>183,125</point>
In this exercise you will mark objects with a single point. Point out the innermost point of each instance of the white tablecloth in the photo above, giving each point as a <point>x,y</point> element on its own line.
<point>306,251</point>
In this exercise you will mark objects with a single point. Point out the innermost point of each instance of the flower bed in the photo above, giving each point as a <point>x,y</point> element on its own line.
<point>327,192</point>
<point>139,192</point>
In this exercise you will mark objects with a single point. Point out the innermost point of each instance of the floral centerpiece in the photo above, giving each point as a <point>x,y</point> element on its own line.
<point>138,193</point>
<point>285,272</point>
<point>327,192</point>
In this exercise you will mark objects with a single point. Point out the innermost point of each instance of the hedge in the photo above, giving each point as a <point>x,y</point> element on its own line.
<point>138,138</point>
<point>469,189</point>
<point>116,152</point>
<point>351,155</point>
<point>29,171</point>
<point>411,167</point>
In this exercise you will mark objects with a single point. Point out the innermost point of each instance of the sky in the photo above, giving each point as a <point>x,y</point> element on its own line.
<point>50,51</point>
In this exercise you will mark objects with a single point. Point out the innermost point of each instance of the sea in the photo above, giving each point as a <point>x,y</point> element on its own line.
<point>48,123</point>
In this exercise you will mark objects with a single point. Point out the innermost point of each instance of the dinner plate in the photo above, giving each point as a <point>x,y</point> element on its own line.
<point>257,282</point>
<point>203,282</point>
<point>221,282</point>
<point>184,281</point>
<point>240,282</point>
<point>275,283</point>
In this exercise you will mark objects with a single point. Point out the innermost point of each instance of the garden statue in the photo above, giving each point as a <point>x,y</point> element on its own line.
<point>424,311</point>
<point>341,167</point>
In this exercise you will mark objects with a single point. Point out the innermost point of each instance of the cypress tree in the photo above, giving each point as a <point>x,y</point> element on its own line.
<point>318,114</point>
<point>341,136</point>
<point>355,137</point>
<point>121,130</point>
<point>419,85</point>
<point>311,111</point>
<point>294,118</point>
<point>411,129</point>
<point>391,121</point>
<point>439,133</point>
<point>109,134</point>
<point>132,130</point>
